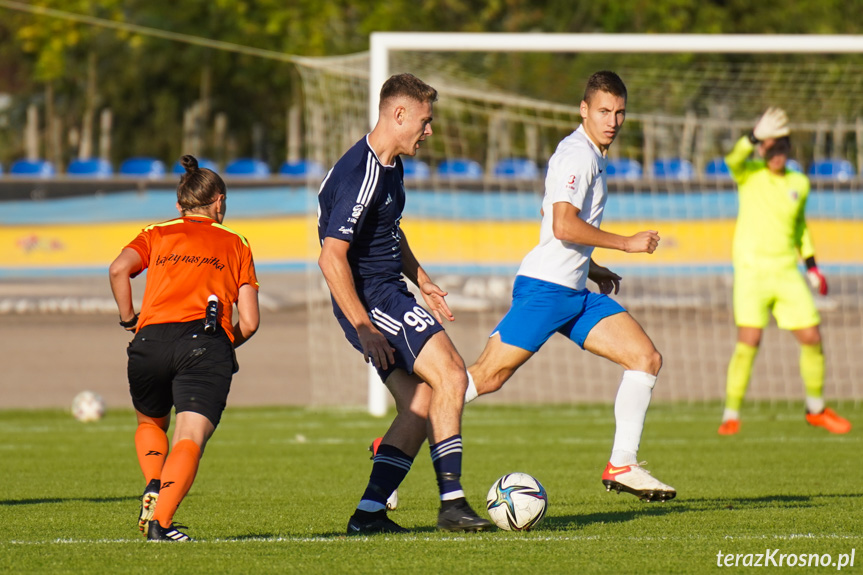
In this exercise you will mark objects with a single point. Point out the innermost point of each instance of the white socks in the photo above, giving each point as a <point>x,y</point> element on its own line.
<point>630,409</point>
<point>471,392</point>
<point>730,414</point>
<point>814,404</point>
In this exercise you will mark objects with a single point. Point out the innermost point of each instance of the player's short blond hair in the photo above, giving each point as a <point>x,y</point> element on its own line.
<point>409,86</point>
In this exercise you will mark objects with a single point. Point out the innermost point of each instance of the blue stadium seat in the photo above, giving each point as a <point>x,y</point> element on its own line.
<point>90,168</point>
<point>178,168</point>
<point>516,169</point>
<point>794,166</point>
<point>142,167</point>
<point>302,168</point>
<point>247,168</point>
<point>416,169</point>
<point>673,169</point>
<point>460,168</point>
<point>831,169</point>
<point>623,168</point>
<point>717,169</point>
<point>32,169</point>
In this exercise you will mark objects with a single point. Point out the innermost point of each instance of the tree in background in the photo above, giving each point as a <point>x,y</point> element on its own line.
<point>238,104</point>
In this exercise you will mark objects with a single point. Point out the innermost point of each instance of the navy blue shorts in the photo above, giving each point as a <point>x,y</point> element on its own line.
<point>177,364</point>
<point>405,324</point>
<point>541,308</point>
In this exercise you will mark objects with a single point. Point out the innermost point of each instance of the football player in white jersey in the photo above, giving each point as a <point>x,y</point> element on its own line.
<point>550,293</point>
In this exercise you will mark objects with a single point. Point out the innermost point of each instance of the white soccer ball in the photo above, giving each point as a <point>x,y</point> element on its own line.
<point>88,406</point>
<point>517,502</point>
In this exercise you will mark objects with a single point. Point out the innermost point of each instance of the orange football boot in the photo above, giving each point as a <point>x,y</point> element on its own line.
<point>729,427</point>
<point>829,420</point>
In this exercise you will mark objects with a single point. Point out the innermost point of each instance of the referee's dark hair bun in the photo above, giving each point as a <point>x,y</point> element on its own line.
<point>189,162</point>
<point>198,187</point>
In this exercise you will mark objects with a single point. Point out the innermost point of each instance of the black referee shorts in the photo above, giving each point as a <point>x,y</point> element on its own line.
<point>177,364</point>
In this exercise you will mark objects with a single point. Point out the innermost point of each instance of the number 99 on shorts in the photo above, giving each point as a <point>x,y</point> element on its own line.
<point>418,318</point>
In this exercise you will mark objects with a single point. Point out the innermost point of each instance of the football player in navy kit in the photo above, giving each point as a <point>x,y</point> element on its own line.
<point>364,254</point>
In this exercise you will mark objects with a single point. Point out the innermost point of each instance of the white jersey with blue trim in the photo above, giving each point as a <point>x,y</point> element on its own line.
<point>576,174</point>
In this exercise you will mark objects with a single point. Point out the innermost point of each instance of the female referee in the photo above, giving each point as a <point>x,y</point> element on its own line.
<point>183,356</point>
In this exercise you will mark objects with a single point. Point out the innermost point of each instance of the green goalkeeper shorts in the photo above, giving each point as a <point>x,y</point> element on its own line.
<point>785,292</point>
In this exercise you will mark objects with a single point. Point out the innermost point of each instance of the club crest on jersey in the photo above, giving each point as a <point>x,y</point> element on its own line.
<point>357,211</point>
<point>794,195</point>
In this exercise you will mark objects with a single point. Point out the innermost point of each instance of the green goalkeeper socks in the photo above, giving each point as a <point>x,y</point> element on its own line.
<point>739,373</point>
<point>812,369</point>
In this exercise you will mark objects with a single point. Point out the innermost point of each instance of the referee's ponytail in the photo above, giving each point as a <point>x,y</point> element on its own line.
<point>198,187</point>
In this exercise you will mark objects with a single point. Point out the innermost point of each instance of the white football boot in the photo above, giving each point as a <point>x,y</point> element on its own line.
<point>638,481</point>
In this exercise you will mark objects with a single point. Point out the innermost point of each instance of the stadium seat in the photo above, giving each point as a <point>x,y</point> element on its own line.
<point>717,169</point>
<point>90,168</point>
<point>302,168</point>
<point>247,168</point>
<point>673,169</point>
<point>416,169</point>
<point>178,168</point>
<point>794,166</point>
<point>831,169</point>
<point>460,168</point>
<point>516,169</point>
<point>142,168</point>
<point>32,169</point>
<point>623,168</point>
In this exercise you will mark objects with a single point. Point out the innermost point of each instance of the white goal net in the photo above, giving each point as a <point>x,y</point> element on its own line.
<point>474,198</point>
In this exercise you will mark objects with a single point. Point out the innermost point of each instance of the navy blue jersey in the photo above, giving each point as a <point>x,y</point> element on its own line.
<point>361,202</point>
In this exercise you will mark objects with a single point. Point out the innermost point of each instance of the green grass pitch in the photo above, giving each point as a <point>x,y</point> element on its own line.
<point>276,487</point>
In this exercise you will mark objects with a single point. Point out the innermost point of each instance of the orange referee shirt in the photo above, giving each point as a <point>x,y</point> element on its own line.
<point>187,260</point>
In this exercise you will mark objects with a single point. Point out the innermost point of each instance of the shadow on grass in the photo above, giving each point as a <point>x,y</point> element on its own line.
<point>67,500</point>
<point>764,502</point>
<point>568,522</point>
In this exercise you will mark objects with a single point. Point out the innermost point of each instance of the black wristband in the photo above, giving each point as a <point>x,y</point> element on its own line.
<point>130,323</point>
<point>810,262</point>
<point>752,139</point>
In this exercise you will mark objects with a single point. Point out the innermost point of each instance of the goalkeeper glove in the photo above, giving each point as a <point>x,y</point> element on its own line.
<point>773,123</point>
<point>815,277</point>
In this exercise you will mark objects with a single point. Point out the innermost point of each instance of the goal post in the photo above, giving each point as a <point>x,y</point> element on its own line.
<point>383,43</point>
<point>690,98</point>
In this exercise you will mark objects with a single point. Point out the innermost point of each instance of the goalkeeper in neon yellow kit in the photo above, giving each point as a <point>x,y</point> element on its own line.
<point>770,238</point>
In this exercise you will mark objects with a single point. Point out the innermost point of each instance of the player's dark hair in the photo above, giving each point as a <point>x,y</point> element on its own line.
<point>407,85</point>
<point>198,187</point>
<point>604,81</point>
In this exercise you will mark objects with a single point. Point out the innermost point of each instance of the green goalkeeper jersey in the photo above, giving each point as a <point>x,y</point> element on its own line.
<point>771,227</point>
